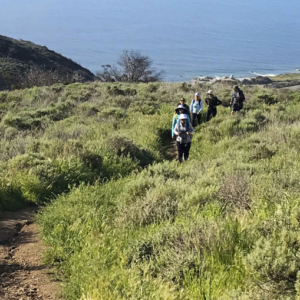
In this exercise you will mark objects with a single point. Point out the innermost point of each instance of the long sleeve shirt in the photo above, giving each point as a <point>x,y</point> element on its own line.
<point>212,102</point>
<point>176,120</point>
<point>184,131</point>
<point>196,106</point>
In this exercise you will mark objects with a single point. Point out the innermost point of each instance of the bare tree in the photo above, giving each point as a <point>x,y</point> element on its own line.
<point>132,67</point>
<point>40,76</point>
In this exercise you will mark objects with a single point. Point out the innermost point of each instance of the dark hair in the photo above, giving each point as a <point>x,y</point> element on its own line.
<point>182,99</point>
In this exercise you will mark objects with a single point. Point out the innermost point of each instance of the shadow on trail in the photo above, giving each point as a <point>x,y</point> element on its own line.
<point>169,150</point>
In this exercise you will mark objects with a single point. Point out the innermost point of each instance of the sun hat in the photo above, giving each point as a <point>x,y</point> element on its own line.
<point>210,92</point>
<point>183,116</point>
<point>197,94</point>
<point>180,107</point>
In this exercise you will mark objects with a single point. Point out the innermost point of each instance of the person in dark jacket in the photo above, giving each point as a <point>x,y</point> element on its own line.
<point>212,101</point>
<point>182,102</point>
<point>237,100</point>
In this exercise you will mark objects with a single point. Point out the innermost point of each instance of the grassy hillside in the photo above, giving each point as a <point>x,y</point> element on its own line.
<point>131,224</point>
<point>24,64</point>
<point>286,77</point>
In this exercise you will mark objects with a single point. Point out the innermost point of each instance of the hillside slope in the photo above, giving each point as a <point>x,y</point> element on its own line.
<point>126,223</point>
<point>18,57</point>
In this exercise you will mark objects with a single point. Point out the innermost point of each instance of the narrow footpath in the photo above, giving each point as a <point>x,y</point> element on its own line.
<point>169,148</point>
<point>23,276</point>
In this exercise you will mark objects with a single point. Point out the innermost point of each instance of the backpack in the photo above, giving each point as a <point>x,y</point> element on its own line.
<point>194,101</point>
<point>240,100</point>
<point>242,96</point>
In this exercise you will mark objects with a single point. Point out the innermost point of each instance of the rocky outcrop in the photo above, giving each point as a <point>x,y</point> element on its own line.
<point>284,84</point>
<point>257,80</point>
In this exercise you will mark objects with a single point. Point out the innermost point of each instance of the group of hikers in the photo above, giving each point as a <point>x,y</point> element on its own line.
<point>185,117</point>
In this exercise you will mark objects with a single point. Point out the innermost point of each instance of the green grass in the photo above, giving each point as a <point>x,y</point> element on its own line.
<point>122,222</point>
<point>286,77</point>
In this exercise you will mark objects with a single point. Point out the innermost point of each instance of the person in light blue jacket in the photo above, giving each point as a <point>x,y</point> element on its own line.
<point>179,110</point>
<point>196,109</point>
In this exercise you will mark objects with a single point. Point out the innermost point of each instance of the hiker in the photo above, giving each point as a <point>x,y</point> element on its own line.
<point>179,110</point>
<point>182,102</point>
<point>212,101</point>
<point>237,100</point>
<point>184,133</point>
<point>196,109</point>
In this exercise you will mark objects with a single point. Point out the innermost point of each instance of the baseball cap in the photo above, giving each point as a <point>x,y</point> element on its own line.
<point>197,94</point>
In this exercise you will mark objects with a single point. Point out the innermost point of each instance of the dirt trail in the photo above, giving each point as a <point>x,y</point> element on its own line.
<point>169,148</point>
<point>23,276</point>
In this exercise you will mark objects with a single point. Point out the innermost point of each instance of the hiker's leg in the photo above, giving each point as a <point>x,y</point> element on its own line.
<point>235,108</point>
<point>187,151</point>
<point>193,119</point>
<point>214,112</point>
<point>180,151</point>
<point>199,119</point>
<point>208,113</point>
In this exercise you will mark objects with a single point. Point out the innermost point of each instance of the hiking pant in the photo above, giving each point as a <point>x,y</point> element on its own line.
<point>236,107</point>
<point>211,111</point>
<point>183,150</point>
<point>194,116</point>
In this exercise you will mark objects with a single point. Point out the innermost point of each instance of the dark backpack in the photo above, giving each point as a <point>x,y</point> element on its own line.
<point>242,96</point>
<point>194,101</point>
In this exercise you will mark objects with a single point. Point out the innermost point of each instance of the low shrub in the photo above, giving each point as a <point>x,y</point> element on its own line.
<point>115,91</point>
<point>235,191</point>
<point>114,111</point>
<point>155,207</point>
<point>264,97</point>
<point>261,151</point>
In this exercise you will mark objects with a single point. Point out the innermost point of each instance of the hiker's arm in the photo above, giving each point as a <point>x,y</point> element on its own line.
<point>176,130</point>
<point>219,102</point>
<point>173,125</point>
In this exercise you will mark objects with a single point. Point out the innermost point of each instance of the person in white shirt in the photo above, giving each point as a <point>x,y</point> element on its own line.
<point>196,109</point>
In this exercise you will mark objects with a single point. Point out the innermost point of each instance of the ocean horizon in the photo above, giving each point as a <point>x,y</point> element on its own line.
<point>184,39</point>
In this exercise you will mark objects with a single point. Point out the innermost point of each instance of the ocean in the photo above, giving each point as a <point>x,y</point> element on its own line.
<point>185,39</point>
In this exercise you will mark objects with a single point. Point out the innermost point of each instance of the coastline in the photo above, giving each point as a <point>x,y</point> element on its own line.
<point>285,80</point>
